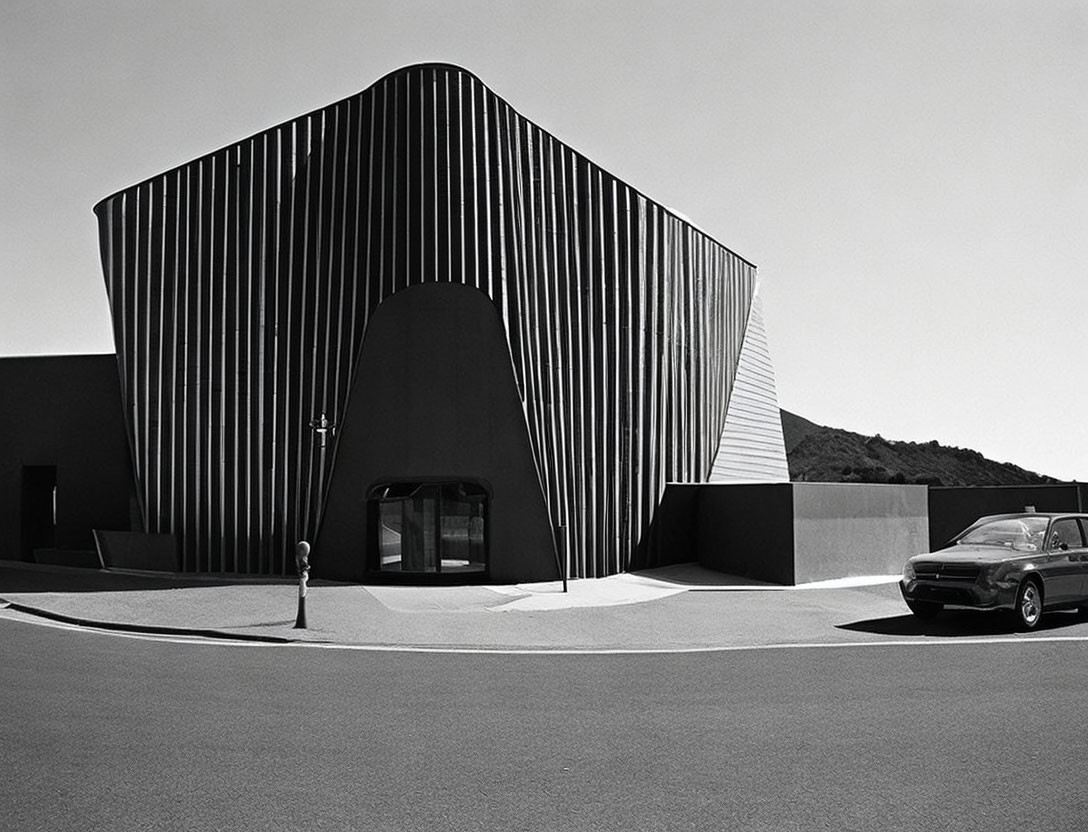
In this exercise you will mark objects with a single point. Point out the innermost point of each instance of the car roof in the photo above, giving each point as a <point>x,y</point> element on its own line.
<point>1049,514</point>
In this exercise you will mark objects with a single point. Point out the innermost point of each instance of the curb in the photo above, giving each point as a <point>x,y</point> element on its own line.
<point>150,629</point>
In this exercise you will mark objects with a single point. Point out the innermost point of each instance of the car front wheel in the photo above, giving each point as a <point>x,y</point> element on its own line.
<point>924,609</point>
<point>1029,604</point>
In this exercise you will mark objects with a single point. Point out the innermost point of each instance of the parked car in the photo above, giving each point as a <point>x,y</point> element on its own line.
<point>1026,563</point>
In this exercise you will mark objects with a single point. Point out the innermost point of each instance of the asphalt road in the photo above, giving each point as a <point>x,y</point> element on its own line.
<point>103,732</point>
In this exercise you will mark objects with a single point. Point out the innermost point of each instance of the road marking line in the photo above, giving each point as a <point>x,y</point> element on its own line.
<point>601,651</point>
<point>544,651</point>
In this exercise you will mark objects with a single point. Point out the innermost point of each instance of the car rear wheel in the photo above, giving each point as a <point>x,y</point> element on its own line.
<point>924,609</point>
<point>1029,604</point>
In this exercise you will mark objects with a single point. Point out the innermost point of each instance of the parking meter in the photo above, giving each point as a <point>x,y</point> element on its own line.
<point>302,564</point>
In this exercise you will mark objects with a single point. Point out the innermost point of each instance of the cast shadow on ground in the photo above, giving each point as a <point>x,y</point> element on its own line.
<point>19,580</point>
<point>694,575</point>
<point>960,624</point>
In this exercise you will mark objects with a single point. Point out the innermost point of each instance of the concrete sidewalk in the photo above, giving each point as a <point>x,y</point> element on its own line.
<point>673,608</point>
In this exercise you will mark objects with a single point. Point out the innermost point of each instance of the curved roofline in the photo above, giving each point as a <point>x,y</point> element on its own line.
<point>405,69</point>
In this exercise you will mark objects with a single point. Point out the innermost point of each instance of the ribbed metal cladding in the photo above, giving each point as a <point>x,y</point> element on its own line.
<point>241,285</point>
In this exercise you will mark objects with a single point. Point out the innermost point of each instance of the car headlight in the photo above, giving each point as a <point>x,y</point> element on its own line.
<point>908,571</point>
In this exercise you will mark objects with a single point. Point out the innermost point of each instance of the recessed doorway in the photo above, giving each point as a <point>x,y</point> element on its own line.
<point>430,528</point>
<point>39,509</point>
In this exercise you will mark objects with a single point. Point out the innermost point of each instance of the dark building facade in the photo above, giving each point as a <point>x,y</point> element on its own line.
<point>64,458</point>
<point>416,328</point>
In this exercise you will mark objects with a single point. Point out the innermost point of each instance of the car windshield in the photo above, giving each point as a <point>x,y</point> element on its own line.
<point>1022,533</point>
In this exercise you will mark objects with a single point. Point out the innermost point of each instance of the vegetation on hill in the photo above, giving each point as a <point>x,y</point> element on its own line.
<point>821,454</point>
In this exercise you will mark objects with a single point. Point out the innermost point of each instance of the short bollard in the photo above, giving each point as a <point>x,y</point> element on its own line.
<point>302,563</point>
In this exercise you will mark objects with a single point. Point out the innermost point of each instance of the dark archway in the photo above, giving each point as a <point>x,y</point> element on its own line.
<point>434,401</point>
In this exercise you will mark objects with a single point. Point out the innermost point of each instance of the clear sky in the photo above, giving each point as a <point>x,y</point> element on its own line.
<point>910,177</point>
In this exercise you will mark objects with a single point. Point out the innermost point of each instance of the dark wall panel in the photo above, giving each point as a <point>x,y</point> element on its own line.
<point>952,509</point>
<point>673,536</point>
<point>64,412</point>
<point>460,420</point>
<point>747,530</point>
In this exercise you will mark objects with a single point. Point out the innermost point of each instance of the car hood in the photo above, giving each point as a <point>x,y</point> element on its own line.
<point>975,554</point>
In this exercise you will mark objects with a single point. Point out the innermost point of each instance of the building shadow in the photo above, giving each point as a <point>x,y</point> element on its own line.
<point>694,575</point>
<point>960,624</point>
<point>21,579</point>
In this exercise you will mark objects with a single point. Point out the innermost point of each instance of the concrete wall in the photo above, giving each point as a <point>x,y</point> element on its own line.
<point>953,509</point>
<point>791,533</point>
<point>849,529</point>
<point>64,411</point>
<point>137,550</point>
<point>747,530</point>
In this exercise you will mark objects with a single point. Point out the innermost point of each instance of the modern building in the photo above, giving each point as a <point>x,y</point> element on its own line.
<point>418,330</point>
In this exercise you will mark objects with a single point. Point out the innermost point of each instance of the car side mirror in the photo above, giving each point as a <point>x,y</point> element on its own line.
<point>1063,547</point>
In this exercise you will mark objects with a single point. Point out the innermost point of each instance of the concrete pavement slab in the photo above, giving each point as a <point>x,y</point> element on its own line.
<point>672,609</point>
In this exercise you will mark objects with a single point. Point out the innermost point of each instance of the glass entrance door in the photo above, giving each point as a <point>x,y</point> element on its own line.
<point>431,528</point>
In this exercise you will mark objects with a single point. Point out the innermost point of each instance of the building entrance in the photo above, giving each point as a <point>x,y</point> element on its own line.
<point>430,528</point>
<point>39,509</point>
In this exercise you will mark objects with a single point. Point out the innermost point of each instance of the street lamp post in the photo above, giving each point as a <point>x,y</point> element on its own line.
<point>324,429</point>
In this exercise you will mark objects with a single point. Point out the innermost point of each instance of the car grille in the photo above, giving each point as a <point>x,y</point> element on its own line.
<point>937,571</point>
<point>947,593</point>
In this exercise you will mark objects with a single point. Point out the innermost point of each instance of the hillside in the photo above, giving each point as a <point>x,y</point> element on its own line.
<point>821,454</point>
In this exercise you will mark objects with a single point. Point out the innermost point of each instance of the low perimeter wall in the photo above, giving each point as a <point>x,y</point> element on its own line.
<point>848,529</point>
<point>952,509</point>
<point>792,533</point>
<point>136,550</point>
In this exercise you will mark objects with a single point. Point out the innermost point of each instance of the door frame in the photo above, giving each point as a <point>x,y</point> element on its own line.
<point>374,501</point>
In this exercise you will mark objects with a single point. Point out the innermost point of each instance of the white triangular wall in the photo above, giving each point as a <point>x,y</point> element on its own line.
<point>751,448</point>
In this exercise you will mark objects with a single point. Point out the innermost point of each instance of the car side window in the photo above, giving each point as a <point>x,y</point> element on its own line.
<point>1066,532</point>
